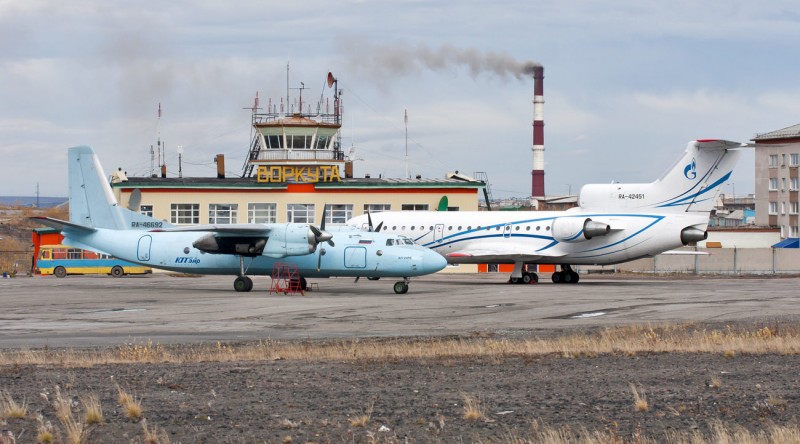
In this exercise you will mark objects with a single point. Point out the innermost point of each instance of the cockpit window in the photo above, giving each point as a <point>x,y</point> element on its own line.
<point>389,242</point>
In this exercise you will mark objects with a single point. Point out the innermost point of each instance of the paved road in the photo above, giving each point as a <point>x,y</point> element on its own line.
<point>99,310</point>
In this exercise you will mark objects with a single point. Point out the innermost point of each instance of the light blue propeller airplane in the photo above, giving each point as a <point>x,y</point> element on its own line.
<point>97,222</point>
<point>613,223</point>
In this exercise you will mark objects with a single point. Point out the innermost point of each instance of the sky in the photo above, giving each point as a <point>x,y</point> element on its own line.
<point>627,83</point>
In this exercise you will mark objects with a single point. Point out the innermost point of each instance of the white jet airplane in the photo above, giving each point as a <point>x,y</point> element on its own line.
<point>613,223</point>
<point>98,223</point>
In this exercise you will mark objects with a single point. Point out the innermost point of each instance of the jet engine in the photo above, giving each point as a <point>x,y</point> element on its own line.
<point>690,235</point>
<point>576,229</point>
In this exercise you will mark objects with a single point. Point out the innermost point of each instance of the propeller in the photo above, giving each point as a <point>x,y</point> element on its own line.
<point>322,236</point>
<point>369,221</point>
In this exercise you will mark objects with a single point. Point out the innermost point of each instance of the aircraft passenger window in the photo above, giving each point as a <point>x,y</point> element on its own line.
<point>404,227</point>
<point>431,228</point>
<point>394,228</point>
<point>528,228</point>
<point>450,228</point>
<point>547,228</point>
<point>469,227</point>
<point>538,228</point>
<point>412,228</point>
<point>459,228</point>
<point>516,228</point>
<point>497,228</point>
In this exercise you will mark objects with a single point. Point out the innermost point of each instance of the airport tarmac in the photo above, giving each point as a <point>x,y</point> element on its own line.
<point>99,310</point>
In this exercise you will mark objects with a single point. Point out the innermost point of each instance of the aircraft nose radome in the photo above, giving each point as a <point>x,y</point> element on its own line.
<point>433,262</point>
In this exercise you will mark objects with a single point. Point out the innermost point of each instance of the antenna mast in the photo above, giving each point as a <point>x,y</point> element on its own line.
<point>405,119</point>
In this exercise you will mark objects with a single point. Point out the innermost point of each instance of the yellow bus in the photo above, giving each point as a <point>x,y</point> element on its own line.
<point>61,260</point>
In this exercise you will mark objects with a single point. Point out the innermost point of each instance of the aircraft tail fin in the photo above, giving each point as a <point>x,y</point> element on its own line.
<point>690,186</point>
<point>91,201</point>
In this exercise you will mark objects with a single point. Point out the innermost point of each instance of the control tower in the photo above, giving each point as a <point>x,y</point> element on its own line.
<point>298,142</point>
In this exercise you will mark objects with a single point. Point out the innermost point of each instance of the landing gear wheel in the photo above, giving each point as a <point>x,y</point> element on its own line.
<point>117,271</point>
<point>558,277</point>
<point>243,284</point>
<point>303,284</point>
<point>572,277</point>
<point>515,280</point>
<point>527,278</point>
<point>60,272</point>
<point>400,287</point>
<point>374,278</point>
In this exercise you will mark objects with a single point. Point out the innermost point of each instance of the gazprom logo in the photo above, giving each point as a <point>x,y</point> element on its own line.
<point>690,171</point>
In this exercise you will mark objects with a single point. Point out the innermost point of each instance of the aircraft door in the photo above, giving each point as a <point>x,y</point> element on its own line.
<point>143,249</point>
<point>355,257</point>
<point>507,230</point>
<point>438,232</point>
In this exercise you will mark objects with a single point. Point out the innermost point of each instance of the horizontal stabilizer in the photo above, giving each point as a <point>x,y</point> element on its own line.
<point>63,225</point>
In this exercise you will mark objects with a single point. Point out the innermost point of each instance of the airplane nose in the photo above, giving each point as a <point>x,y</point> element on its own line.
<point>433,262</point>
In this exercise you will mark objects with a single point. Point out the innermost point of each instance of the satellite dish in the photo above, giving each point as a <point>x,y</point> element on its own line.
<point>135,200</point>
<point>331,79</point>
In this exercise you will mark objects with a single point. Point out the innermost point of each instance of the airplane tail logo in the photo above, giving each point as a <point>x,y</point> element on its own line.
<point>690,172</point>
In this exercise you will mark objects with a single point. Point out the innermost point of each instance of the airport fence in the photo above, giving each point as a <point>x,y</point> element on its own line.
<point>712,261</point>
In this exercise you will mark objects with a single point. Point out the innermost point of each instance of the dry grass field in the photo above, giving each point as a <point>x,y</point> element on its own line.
<point>677,383</point>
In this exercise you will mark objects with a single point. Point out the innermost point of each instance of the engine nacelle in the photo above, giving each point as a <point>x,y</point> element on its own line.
<point>576,229</point>
<point>241,245</point>
<point>290,240</point>
<point>691,235</point>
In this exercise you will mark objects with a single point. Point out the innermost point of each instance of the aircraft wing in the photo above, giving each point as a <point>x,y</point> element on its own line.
<point>501,255</point>
<point>239,229</point>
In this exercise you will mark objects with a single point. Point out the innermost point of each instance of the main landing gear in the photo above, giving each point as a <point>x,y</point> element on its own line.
<point>242,283</point>
<point>522,276</point>
<point>527,278</point>
<point>566,276</point>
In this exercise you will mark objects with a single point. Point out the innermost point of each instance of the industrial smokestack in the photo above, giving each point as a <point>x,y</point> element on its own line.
<point>537,174</point>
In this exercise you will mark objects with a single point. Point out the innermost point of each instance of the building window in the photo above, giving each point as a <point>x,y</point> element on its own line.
<point>339,214</point>
<point>222,213</point>
<point>795,231</point>
<point>794,207</point>
<point>452,208</point>
<point>773,184</point>
<point>773,160</point>
<point>300,213</point>
<point>783,207</point>
<point>377,208</point>
<point>262,213</point>
<point>414,207</point>
<point>773,208</point>
<point>147,210</point>
<point>185,213</point>
<point>795,184</point>
<point>795,159</point>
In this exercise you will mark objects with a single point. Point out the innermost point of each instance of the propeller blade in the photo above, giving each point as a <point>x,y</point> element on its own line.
<point>369,220</point>
<point>378,228</point>
<point>324,211</point>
